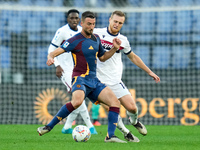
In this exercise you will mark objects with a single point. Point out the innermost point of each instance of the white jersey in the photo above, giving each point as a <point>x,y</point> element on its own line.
<point>64,60</point>
<point>110,71</point>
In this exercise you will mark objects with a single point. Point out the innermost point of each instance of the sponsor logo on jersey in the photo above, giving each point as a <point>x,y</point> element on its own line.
<point>66,44</point>
<point>108,45</point>
<point>91,48</point>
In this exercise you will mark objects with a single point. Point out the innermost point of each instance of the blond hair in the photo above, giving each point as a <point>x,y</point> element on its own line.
<point>118,13</point>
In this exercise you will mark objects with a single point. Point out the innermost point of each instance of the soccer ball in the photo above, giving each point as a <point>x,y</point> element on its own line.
<point>81,133</point>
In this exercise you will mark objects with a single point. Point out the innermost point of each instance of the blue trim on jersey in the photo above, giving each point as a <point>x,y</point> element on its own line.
<point>54,45</point>
<point>111,33</point>
<point>128,52</point>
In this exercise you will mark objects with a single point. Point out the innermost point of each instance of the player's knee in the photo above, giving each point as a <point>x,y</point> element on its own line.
<point>76,103</point>
<point>132,109</point>
<point>115,102</point>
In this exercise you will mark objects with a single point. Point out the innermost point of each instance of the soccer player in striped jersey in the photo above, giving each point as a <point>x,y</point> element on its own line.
<point>64,65</point>
<point>110,71</point>
<point>86,47</point>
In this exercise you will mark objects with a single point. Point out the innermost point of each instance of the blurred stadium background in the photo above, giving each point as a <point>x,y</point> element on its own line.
<point>164,33</point>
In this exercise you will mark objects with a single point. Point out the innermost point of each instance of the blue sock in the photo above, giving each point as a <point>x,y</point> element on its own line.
<point>112,120</point>
<point>64,111</point>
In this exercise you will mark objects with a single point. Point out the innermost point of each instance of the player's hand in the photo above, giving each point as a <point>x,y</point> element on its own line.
<point>50,61</point>
<point>154,76</point>
<point>116,43</point>
<point>59,71</point>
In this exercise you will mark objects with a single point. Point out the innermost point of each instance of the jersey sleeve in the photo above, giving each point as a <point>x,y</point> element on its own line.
<point>127,47</point>
<point>101,49</point>
<point>55,43</point>
<point>51,49</point>
<point>58,38</point>
<point>67,46</point>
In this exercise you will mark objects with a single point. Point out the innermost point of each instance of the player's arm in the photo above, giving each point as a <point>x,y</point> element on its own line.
<point>138,62</point>
<point>59,69</point>
<point>51,49</point>
<point>52,55</point>
<point>108,54</point>
<point>55,43</point>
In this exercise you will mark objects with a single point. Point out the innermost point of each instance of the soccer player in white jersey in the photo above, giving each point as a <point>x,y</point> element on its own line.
<point>64,66</point>
<point>110,71</point>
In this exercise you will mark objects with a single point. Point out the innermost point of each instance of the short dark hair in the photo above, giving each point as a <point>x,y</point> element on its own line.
<point>87,14</point>
<point>72,11</point>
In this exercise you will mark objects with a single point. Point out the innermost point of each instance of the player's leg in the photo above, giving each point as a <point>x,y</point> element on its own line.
<point>107,97</point>
<point>66,80</point>
<point>132,111</point>
<point>86,117</point>
<point>127,134</point>
<point>67,129</point>
<point>82,110</point>
<point>65,110</point>
<point>125,98</point>
<point>120,125</point>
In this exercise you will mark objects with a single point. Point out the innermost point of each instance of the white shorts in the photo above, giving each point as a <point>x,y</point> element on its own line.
<point>119,90</point>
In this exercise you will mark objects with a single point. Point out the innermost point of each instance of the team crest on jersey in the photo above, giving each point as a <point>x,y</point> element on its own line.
<point>91,48</point>
<point>66,44</point>
<point>78,85</point>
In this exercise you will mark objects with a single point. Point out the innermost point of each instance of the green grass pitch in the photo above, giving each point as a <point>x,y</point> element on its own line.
<point>25,137</point>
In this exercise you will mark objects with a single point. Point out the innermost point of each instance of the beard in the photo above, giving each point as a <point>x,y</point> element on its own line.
<point>88,32</point>
<point>113,30</point>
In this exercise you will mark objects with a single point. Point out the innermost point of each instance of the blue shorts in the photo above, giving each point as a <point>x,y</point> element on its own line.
<point>91,86</point>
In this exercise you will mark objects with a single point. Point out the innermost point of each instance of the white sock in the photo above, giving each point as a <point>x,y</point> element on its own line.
<point>121,127</point>
<point>85,115</point>
<point>71,117</point>
<point>133,117</point>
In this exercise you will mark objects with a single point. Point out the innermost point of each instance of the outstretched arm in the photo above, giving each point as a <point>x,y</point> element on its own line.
<point>116,44</point>
<point>138,62</point>
<point>50,57</point>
